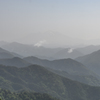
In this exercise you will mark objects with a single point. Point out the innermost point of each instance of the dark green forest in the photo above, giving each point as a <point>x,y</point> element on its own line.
<point>7,95</point>
<point>38,79</point>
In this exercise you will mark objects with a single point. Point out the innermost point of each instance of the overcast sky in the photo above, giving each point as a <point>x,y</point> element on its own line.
<point>73,18</point>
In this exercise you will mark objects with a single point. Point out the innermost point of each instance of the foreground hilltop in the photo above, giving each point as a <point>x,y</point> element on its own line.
<point>7,95</point>
<point>38,79</point>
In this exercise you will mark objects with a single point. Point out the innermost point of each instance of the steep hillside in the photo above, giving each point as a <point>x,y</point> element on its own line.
<point>7,95</point>
<point>68,68</point>
<point>92,61</point>
<point>4,54</point>
<point>17,62</point>
<point>69,65</point>
<point>38,79</point>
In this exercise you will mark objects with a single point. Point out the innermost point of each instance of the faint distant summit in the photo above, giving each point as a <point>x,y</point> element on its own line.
<point>3,43</point>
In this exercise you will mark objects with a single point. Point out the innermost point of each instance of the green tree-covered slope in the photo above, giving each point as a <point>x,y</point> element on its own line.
<point>38,79</point>
<point>7,95</point>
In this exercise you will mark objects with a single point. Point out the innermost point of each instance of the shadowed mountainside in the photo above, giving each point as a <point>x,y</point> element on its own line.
<point>68,68</point>
<point>25,95</point>
<point>91,61</point>
<point>38,79</point>
<point>17,62</point>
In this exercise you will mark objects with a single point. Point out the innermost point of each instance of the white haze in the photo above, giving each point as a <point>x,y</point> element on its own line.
<point>40,43</point>
<point>70,50</point>
<point>50,23</point>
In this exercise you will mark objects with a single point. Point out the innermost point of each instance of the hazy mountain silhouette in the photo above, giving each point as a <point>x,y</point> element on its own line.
<point>42,52</point>
<point>67,53</point>
<point>68,65</point>
<point>68,68</point>
<point>64,67</point>
<point>16,55</point>
<point>29,50</point>
<point>17,62</point>
<point>89,49</point>
<point>5,54</point>
<point>3,43</point>
<point>62,40</point>
<point>92,61</point>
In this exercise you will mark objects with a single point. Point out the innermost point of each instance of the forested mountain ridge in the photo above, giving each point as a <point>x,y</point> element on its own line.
<point>7,95</point>
<point>38,79</point>
<point>68,68</point>
<point>69,65</point>
<point>91,61</point>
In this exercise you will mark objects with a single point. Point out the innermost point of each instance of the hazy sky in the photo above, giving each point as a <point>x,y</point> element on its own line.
<point>74,18</point>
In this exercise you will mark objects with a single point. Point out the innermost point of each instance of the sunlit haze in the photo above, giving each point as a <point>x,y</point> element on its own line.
<point>50,22</point>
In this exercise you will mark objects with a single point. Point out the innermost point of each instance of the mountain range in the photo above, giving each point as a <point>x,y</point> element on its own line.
<point>42,52</point>
<point>49,53</point>
<point>68,68</point>
<point>89,49</point>
<point>4,54</point>
<point>38,79</point>
<point>49,40</point>
<point>50,70</point>
<point>91,61</point>
<point>65,67</point>
<point>17,62</point>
